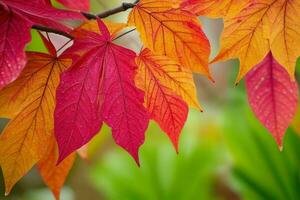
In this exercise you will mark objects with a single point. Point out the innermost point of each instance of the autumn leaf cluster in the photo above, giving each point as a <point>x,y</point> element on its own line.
<point>57,102</point>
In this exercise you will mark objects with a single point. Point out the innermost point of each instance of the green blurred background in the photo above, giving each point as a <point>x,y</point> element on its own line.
<point>225,153</point>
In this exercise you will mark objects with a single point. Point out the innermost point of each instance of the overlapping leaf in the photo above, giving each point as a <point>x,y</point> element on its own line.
<point>167,86</point>
<point>273,96</point>
<point>167,30</point>
<point>29,103</point>
<point>16,19</point>
<point>100,87</point>
<point>54,175</point>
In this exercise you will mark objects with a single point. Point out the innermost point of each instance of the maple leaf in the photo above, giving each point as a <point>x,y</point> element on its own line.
<point>16,19</point>
<point>82,5</point>
<point>214,8</point>
<point>167,30</point>
<point>100,87</point>
<point>166,85</point>
<point>273,96</point>
<point>29,103</point>
<point>54,175</point>
<point>262,26</point>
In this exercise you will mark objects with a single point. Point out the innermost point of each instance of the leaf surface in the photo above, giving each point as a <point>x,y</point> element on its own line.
<point>214,8</point>
<point>14,34</point>
<point>168,30</point>
<point>29,103</point>
<point>273,96</point>
<point>82,5</point>
<point>100,87</point>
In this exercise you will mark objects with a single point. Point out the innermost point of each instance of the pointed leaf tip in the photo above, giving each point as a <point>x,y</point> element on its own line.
<point>280,148</point>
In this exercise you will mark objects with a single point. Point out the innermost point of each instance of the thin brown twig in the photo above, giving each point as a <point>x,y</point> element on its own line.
<point>122,8</point>
<point>52,30</point>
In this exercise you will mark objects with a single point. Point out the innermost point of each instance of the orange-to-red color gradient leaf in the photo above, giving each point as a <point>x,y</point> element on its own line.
<point>100,87</point>
<point>54,175</point>
<point>214,8</point>
<point>168,88</point>
<point>167,30</point>
<point>273,96</point>
<point>29,103</point>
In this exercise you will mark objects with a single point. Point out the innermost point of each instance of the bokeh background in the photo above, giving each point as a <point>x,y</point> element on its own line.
<point>225,153</point>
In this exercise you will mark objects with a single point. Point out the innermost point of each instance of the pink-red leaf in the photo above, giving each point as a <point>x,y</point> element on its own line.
<point>83,5</point>
<point>16,19</point>
<point>100,86</point>
<point>273,96</point>
<point>122,107</point>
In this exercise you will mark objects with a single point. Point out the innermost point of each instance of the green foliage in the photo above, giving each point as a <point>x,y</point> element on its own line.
<point>164,175</point>
<point>260,169</point>
<point>234,147</point>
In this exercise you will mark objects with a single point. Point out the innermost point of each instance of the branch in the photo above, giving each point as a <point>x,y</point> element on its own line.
<point>122,8</point>
<point>125,6</point>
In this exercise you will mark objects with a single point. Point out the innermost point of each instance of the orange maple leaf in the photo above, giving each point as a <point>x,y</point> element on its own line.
<point>29,103</point>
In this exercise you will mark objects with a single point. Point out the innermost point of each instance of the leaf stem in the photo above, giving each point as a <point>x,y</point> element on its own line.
<point>127,32</point>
